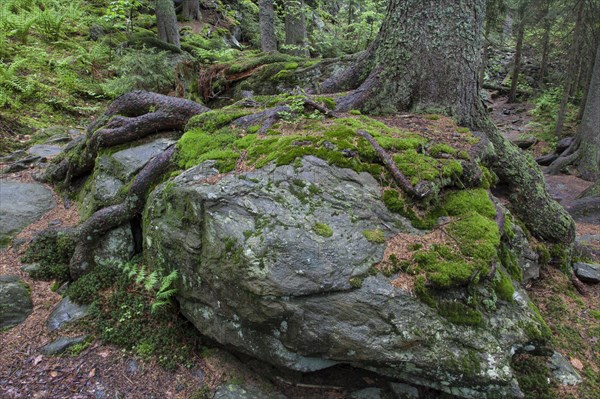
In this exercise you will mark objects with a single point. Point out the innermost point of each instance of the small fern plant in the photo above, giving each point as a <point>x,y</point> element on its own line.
<point>161,285</point>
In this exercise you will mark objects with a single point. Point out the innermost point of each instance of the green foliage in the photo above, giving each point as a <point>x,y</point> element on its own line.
<point>503,287</point>
<point>144,69</point>
<point>85,289</point>
<point>156,282</point>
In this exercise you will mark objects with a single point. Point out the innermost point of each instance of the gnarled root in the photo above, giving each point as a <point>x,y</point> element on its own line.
<point>130,117</point>
<point>111,217</point>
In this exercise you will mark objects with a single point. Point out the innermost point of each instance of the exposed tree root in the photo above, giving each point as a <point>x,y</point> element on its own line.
<point>130,117</point>
<point>113,216</point>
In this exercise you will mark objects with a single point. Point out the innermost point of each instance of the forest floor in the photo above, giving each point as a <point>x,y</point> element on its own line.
<point>106,371</point>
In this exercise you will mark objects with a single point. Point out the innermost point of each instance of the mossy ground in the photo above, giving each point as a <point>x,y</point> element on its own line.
<point>574,330</point>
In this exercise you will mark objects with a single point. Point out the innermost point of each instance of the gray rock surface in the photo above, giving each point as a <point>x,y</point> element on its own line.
<point>20,205</point>
<point>368,393</point>
<point>65,312</point>
<point>115,246</point>
<point>45,150</point>
<point>113,171</point>
<point>404,391</point>
<point>236,391</point>
<point>562,371</point>
<point>61,344</point>
<point>255,275</point>
<point>587,272</point>
<point>15,301</point>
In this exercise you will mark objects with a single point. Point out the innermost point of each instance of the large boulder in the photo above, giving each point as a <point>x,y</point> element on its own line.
<point>15,301</point>
<point>20,205</point>
<point>278,263</point>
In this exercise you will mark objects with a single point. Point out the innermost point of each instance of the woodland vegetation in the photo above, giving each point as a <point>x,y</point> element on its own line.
<point>125,70</point>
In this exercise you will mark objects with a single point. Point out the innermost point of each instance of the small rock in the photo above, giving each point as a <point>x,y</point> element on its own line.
<point>45,150</point>
<point>132,367</point>
<point>587,272</point>
<point>15,167</point>
<point>577,363</point>
<point>562,370</point>
<point>235,391</point>
<point>59,139</point>
<point>61,344</point>
<point>15,301</point>
<point>54,223</point>
<point>96,32</point>
<point>17,242</point>
<point>65,312</point>
<point>62,289</point>
<point>367,393</point>
<point>404,391</point>
<point>30,268</point>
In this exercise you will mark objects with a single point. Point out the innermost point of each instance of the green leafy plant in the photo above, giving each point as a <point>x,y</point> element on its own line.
<point>156,281</point>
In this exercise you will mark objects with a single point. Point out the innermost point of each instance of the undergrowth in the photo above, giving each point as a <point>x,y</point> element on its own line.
<point>133,308</point>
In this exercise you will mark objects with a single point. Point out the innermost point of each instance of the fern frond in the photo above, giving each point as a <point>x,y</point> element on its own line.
<point>151,281</point>
<point>141,275</point>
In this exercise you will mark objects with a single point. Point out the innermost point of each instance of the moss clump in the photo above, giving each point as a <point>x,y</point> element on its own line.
<point>355,282</point>
<point>459,313</point>
<point>422,292</point>
<point>538,331</point>
<point>438,149</point>
<point>503,287</point>
<point>374,236</point>
<point>395,203</point>
<point>323,229</point>
<point>509,261</point>
<point>461,202</point>
<point>85,290</point>
<point>53,251</point>
<point>533,376</point>
<point>477,235</point>
<point>286,60</point>
<point>212,120</point>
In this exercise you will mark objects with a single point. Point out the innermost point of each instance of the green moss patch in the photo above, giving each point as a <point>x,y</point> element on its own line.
<point>323,229</point>
<point>374,236</point>
<point>53,251</point>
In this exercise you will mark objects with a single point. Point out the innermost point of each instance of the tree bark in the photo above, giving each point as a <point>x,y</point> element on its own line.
<point>266,15</point>
<point>295,27</point>
<point>166,21</point>
<point>545,44</point>
<point>584,152</point>
<point>191,10</point>
<point>426,58</point>
<point>512,97</point>
<point>571,69</point>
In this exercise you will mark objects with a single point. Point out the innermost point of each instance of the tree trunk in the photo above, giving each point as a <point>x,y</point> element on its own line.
<point>166,21</point>
<point>584,152</point>
<point>512,97</point>
<point>426,58</point>
<point>191,10</point>
<point>571,69</point>
<point>295,27</point>
<point>266,14</point>
<point>545,45</point>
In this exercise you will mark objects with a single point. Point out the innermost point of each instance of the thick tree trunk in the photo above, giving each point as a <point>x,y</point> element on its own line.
<point>571,69</point>
<point>295,27</point>
<point>166,21</point>
<point>427,58</point>
<point>512,97</point>
<point>266,15</point>
<point>584,152</point>
<point>191,10</point>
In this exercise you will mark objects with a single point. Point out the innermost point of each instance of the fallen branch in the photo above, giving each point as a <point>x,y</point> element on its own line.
<point>420,190</point>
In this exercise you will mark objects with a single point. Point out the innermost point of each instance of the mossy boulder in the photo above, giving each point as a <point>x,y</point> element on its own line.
<point>284,263</point>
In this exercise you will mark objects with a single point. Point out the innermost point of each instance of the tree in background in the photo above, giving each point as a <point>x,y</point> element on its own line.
<point>426,58</point>
<point>268,41</point>
<point>166,21</point>
<point>584,152</point>
<point>295,27</point>
<point>191,10</point>
<point>522,6</point>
